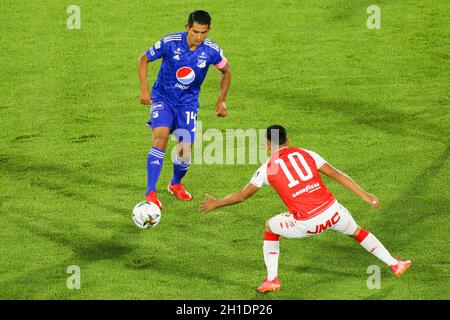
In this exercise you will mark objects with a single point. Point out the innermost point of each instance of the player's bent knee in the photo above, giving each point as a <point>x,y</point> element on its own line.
<point>160,144</point>
<point>269,235</point>
<point>160,141</point>
<point>357,231</point>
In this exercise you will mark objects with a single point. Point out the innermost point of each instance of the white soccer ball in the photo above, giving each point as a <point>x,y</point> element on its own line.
<point>146,215</point>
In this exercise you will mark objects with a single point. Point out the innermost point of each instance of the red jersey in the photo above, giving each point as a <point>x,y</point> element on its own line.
<point>294,174</point>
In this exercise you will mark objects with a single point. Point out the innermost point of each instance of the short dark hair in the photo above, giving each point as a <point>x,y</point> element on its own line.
<point>200,17</point>
<point>276,134</point>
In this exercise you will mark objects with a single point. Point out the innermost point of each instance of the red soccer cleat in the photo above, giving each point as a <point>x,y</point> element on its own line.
<point>400,267</point>
<point>267,286</point>
<point>153,197</point>
<point>179,191</point>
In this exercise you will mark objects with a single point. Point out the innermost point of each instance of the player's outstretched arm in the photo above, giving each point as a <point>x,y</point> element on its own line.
<point>212,203</point>
<point>225,80</point>
<point>142,73</point>
<point>349,183</point>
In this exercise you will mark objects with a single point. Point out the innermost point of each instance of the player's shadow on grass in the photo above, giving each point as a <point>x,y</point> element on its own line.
<point>56,179</point>
<point>166,264</point>
<point>86,250</point>
<point>314,269</point>
<point>144,263</point>
<point>61,181</point>
<point>361,113</point>
<point>174,267</point>
<point>410,205</point>
<point>101,250</point>
<point>44,279</point>
<point>39,283</point>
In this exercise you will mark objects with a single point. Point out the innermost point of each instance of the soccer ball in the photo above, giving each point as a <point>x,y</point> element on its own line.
<point>146,215</point>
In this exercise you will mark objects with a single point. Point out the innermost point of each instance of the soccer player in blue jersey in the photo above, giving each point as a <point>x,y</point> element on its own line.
<point>174,100</point>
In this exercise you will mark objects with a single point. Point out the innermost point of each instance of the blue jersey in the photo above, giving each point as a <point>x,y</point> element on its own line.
<point>182,71</point>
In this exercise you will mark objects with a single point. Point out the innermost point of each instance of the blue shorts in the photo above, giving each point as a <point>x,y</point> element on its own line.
<point>181,120</point>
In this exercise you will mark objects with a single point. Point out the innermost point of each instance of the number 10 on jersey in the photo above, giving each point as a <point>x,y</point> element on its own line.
<point>304,174</point>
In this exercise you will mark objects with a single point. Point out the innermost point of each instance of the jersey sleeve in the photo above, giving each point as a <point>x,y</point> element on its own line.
<point>317,158</point>
<point>260,176</point>
<point>220,60</point>
<point>216,56</point>
<point>156,51</point>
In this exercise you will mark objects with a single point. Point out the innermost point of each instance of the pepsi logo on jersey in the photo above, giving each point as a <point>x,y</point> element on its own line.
<point>185,75</point>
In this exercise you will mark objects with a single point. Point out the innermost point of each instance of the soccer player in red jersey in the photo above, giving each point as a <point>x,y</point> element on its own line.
<point>294,173</point>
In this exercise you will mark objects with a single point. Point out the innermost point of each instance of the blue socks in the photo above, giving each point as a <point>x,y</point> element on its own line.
<point>155,161</point>
<point>180,169</point>
<point>154,165</point>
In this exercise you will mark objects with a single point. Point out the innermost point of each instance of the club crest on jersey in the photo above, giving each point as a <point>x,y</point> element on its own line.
<point>185,75</point>
<point>201,63</point>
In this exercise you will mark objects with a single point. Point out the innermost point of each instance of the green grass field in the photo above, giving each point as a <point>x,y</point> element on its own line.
<point>73,148</point>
